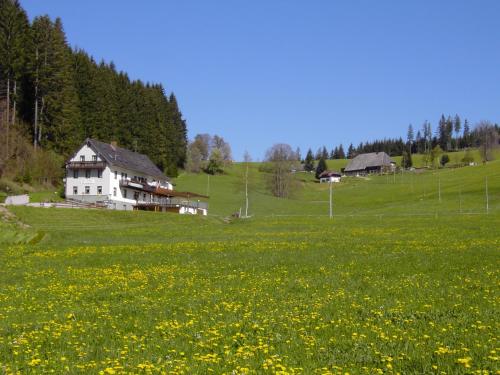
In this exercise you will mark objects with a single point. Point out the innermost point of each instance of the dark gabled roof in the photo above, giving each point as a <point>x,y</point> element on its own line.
<point>330,174</point>
<point>121,157</point>
<point>373,159</point>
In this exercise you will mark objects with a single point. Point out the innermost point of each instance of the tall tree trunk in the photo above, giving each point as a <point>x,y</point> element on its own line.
<point>8,118</point>
<point>14,109</point>
<point>41,122</point>
<point>35,133</point>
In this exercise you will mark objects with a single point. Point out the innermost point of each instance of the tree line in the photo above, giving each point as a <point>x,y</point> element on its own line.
<point>451,134</point>
<point>57,96</point>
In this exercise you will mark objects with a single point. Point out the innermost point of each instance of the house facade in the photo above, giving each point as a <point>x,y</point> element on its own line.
<point>373,162</point>
<point>329,176</point>
<point>117,178</point>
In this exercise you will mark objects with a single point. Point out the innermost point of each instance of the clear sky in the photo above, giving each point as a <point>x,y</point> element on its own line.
<point>307,73</point>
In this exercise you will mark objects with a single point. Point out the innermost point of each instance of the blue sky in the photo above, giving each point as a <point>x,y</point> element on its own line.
<point>307,73</point>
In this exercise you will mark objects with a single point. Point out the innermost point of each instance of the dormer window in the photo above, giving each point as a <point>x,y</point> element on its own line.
<point>82,157</point>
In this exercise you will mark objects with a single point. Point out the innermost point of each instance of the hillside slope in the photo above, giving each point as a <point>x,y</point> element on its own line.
<point>462,190</point>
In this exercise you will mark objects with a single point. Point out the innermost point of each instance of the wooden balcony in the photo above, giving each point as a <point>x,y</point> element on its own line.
<point>86,165</point>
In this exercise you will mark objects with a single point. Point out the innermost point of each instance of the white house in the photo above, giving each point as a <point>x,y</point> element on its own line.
<point>121,179</point>
<point>329,176</point>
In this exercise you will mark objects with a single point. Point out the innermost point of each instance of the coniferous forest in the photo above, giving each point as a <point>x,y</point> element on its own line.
<point>56,96</point>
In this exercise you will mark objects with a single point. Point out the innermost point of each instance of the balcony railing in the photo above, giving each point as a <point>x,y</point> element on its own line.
<point>86,165</point>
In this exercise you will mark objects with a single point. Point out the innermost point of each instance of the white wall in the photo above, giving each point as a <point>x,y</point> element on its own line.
<point>87,152</point>
<point>329,179</point>
<point>108,182</point>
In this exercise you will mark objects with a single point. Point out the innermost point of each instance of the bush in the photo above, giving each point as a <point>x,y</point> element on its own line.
<point>445,159</point>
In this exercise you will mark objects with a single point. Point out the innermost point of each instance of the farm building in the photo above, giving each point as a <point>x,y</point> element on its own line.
<point>373,162</point>
<point>329,176</point>
<point>120,179</point>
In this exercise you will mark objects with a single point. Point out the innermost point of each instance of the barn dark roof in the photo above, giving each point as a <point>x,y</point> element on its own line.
<point>372,159</point>
<point>121,157</point>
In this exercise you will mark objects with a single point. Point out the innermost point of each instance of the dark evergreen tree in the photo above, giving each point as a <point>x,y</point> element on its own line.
<point>341,154</point>
<point>406,161</point>
<point>324,153</point>
<point>466,134</point>
<point>336,153</point>
<point>309,161</point>
<point>64,96</point>
<point>350,152</point>
<point>321,167</point>
<point>14,31</point>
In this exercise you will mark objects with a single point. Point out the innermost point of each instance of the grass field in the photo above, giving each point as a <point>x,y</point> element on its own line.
<point>397,282</point>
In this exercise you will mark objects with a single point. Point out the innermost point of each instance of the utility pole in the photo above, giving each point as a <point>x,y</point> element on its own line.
<point>439,188</point>
<point>460,197</point>
<point>246,192</point>
<point>208,184</point>
<point>331,200</point>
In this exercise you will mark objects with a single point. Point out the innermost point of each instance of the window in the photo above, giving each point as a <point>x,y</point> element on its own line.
<point>94,157</point>
<point>87,189</point>
<point>124,193</point>
<point>82,157</point>
<point>87,173</point>
<point>75,190</point>
<point>75,173</point>
<point>99,190</point>
<point>99,173</point>
<point>116,175</point>
<point>144,197</point>
<point>114,192</point>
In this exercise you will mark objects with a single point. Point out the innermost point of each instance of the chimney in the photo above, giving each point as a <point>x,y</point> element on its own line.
<point>114,145</point>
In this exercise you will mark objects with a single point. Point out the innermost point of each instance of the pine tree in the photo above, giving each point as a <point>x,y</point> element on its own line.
<point>321,167</point>
<point>457,126</point>
<point>410,136</point>
<point>324,153</point>
<point>309,161</point>
<point>336,153</point>
<point>406,161</point>
<point>14,28</point>
<point>466,134</point>
<point>350,152</point>
<point>341,152</point>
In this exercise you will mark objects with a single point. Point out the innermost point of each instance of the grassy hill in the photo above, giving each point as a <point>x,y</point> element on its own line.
<point>462,190</point>
<point>398,281</point>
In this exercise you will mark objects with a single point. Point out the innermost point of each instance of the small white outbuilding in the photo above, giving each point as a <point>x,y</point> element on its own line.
<point>329,176</point>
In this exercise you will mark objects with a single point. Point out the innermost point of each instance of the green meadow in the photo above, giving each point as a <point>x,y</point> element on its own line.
<point>403,279</point>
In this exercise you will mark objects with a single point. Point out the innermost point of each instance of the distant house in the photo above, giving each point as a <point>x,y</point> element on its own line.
<point>120,179</point>
<point>373,162</point>
<point>329,176</point>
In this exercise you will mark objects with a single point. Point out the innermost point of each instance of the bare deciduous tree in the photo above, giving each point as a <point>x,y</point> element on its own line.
<point>281,158</point>
<point>487,137</point>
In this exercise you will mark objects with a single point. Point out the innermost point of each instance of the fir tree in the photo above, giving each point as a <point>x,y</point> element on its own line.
<point>457,126</point>
<point>309,161</point>
<point>466,134</point>
<point>350,152</point>
<point>341,152</point>
<point>321,167</point>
